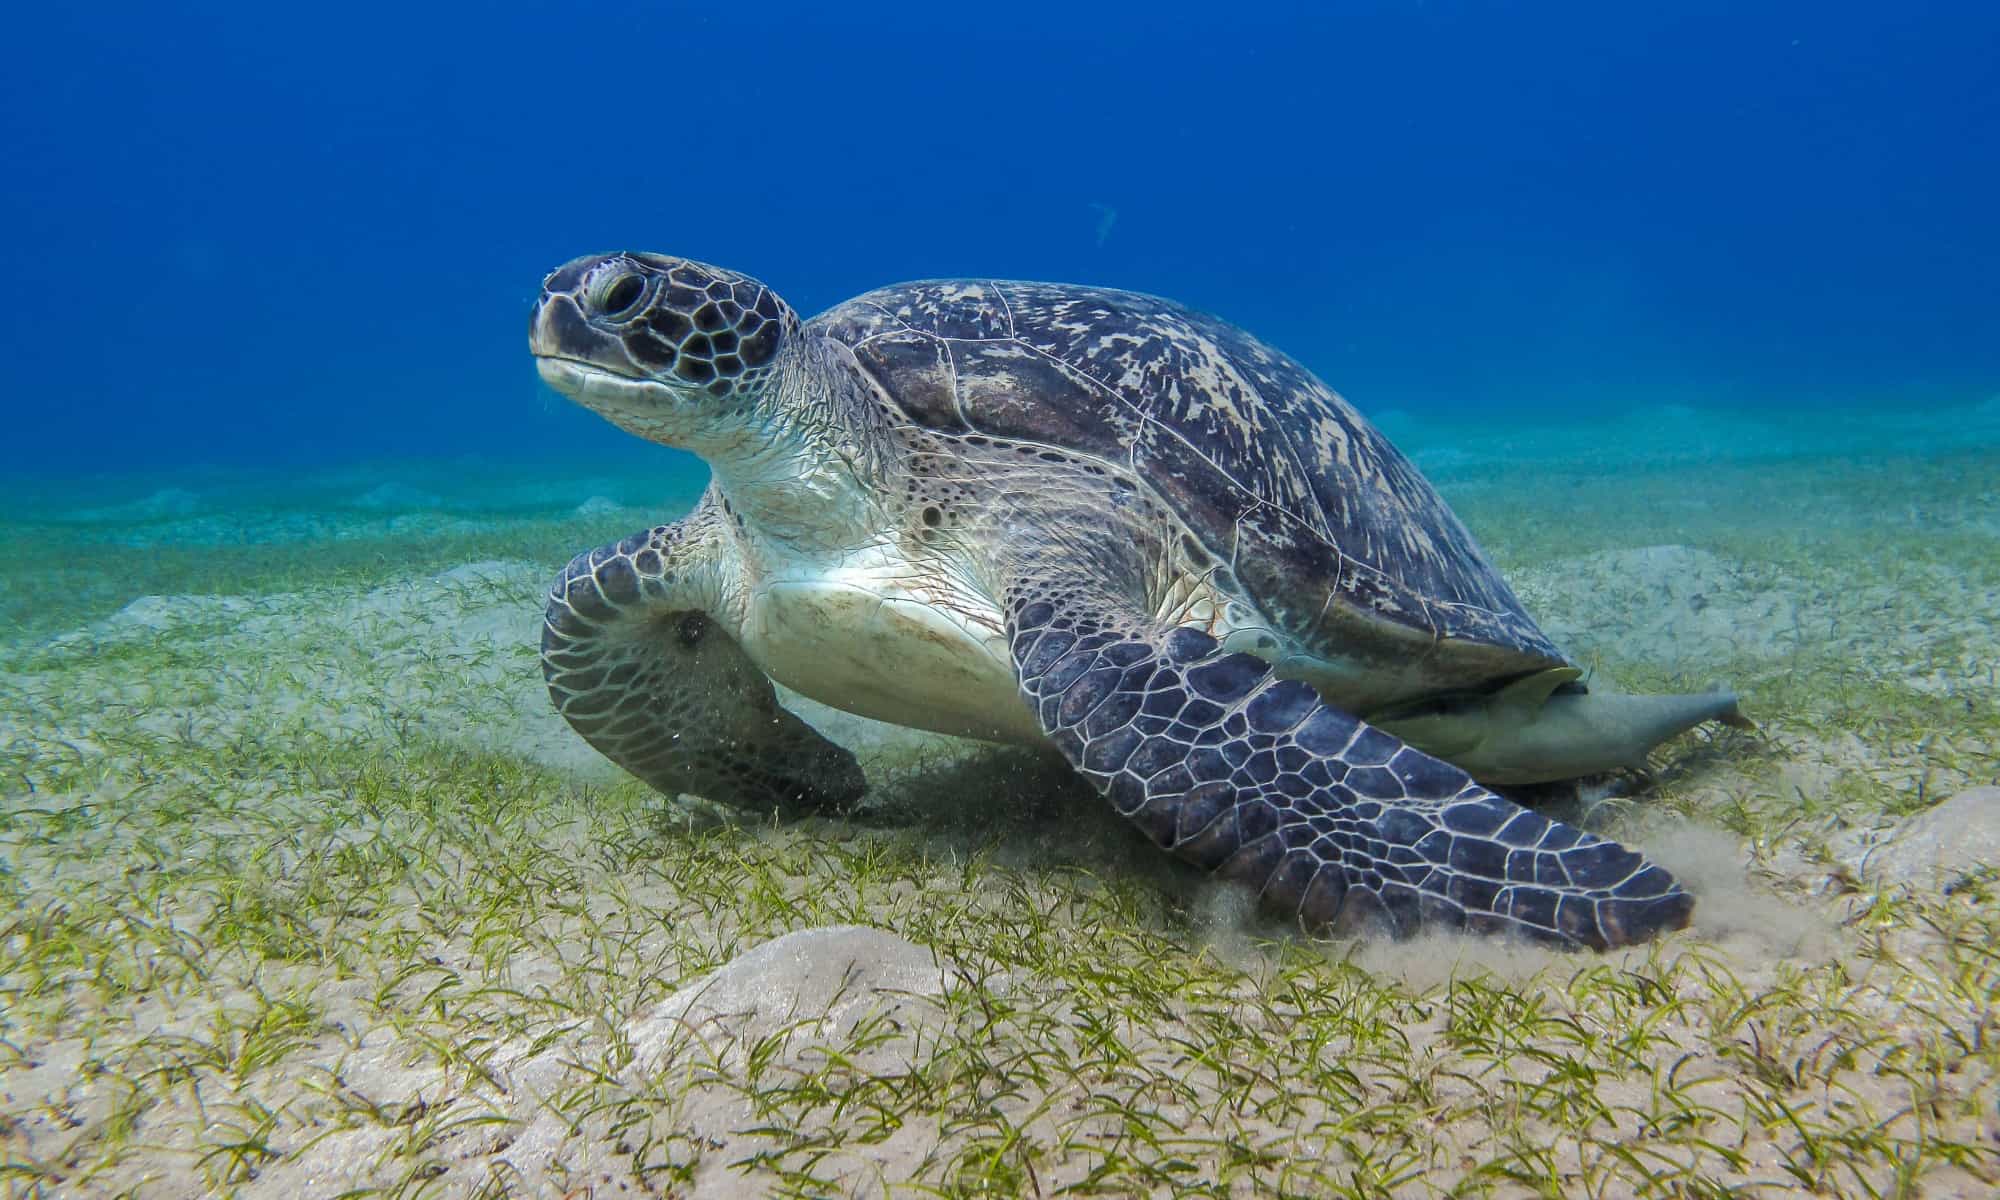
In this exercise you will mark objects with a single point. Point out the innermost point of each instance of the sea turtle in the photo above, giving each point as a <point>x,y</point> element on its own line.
<point>1092,519</point>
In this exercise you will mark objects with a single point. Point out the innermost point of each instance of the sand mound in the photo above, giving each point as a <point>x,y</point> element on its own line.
<point>1668,605</point>
<point>395,496</point>
<point>168,614</point>
<point>155,506</point>
<point>452,657</point>
<point>805,992</point>
<point>833,976</point>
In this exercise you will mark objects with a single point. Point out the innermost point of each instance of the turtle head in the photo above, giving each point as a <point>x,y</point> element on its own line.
<point>670,349</point>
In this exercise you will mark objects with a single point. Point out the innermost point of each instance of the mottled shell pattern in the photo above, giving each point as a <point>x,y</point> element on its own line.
<point>1284,482</point>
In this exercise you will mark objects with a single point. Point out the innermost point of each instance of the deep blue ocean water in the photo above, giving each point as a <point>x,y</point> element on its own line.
<point>249,235</point>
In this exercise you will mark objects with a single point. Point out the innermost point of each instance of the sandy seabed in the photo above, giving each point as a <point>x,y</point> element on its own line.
<point>310,894</point>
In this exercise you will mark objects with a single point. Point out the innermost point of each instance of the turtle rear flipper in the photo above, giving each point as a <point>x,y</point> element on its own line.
<point>635,663</point>
<point>1256,779</point>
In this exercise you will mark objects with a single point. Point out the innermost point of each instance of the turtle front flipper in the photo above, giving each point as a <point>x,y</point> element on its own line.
<point>638,666</point>
<point>1255,779</point>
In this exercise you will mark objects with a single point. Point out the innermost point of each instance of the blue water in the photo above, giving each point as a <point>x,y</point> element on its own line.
<point>243,234</point>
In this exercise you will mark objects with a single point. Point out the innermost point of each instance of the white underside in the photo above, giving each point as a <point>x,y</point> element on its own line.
<point>884,640</point>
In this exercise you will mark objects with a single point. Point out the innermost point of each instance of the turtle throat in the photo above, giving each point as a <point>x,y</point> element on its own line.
<point>801,464</point>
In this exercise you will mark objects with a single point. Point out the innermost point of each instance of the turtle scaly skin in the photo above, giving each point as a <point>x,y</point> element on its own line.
<point>615,662</point>
<point>1333,820</point>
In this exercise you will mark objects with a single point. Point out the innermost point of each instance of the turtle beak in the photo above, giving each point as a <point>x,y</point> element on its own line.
<point>557,328</point>
<point>560,330</point>
<point>566,348</point>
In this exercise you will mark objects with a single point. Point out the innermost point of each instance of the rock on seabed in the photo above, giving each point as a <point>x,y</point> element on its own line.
<point>1943,844</point>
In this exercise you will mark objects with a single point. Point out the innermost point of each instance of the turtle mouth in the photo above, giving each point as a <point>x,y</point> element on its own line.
<point>599,387</point>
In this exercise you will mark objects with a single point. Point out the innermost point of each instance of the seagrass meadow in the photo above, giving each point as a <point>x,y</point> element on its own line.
<point>309,893</point>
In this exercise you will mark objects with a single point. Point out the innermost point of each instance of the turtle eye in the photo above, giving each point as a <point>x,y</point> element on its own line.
<point>617,296</point>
